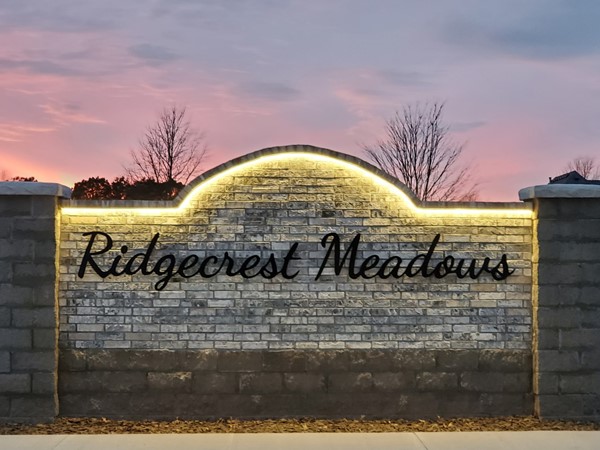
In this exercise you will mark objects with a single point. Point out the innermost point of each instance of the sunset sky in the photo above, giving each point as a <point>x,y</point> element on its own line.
<point>80,79</point>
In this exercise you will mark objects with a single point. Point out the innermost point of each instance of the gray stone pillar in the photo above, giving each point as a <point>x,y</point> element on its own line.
<point>29,233</point>
<point>566,298</point>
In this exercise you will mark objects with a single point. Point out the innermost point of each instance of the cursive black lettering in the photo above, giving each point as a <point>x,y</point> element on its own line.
<point>338,260</point>
<point>341,260</point>
<point>88,256</point>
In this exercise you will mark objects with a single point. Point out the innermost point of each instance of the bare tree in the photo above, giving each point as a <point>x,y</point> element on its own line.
<point>418,150</point>
<point>586,167</point>
<point>170,150</point>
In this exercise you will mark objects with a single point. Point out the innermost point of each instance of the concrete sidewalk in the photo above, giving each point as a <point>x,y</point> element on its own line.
<point>492,440</point>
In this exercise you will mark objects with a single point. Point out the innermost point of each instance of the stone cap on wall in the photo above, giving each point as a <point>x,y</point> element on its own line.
<point>560,191</point>
<point>34,188</point>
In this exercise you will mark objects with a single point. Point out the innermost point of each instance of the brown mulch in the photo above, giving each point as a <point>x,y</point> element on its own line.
<point>109,426</point>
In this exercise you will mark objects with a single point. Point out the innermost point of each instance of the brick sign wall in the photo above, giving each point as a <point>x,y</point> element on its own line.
<point>295,282</point>
<point>298,281</point>
<point>262,209</point>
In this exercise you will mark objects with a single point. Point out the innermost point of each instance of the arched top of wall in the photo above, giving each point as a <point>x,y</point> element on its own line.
<point>294,149</point>
<point>328,157</point>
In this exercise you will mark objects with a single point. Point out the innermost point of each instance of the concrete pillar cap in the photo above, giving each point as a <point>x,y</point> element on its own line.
<point>34,188</point>
<point>560,191</point>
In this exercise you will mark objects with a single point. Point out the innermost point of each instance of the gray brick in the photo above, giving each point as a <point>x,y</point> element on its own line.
<point>72,360</point>
<point>43,383</point>
<point>506,404</point>
<point>14,250</point>
<point>44,361</point>
<point>560,274</point>
<point>27,274</point>
<point>44,206</point>
<point>591,405</point>
<point>39,317</point>
<point>580,384</point>
<point>350,382</point>
<point>156,360</point>
<point>569,251</point>
<point>243,361</point>
<point>214,383</point>
<point>304,382</point>
<point>4,361</point>
<point>6,274</point>
<point>372,360</point>
<point>45,252</point>
<point>505,361</point>
<point>44,296</point>
<point>4,406</point>
<point>547,383</point>
<point>437,381</point>
<point>580,339</point>
<point>414,359</point>
<point>34,229</point>
<point>284,361</point>
<point>6,226</point>
<point>569,211</point>
<point>37,408</point>
<point>15,339</point>
<point>260,383</point>
<point>15,295</point>
<point>590,359</point>
<point>172,381</point>
<point>558,361</point>
<point>5,317</point>
<point>548,339</point>
<point>44,338</point>
<point>102,382</point>
<point>394,381</point>
<point>15,206</point>
<point>589,295</point>
<point>591,318</point>
<point>560,406</point>
<point>495,382</point>
<point>328,361</point>
<point>457,360</point>
<point>15,383</point>
<point>559,317</point>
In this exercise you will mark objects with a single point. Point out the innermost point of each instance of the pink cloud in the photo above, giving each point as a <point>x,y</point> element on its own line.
<point>12,132</point>
<point>66,115</point>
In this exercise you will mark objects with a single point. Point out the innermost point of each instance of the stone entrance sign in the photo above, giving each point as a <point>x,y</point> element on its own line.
<point>294,281</point>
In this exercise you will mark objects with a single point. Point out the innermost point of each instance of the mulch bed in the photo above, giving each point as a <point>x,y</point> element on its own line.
<point>109,426</point>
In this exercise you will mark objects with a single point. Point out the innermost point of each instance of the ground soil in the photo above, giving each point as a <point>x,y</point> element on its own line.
<point>107,426</point>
